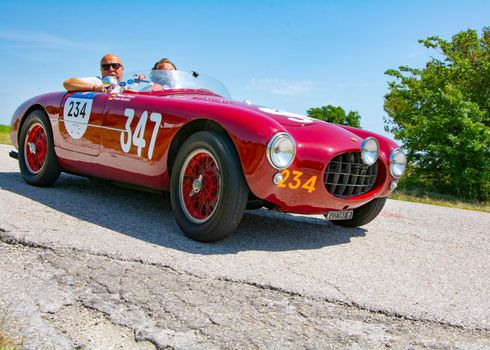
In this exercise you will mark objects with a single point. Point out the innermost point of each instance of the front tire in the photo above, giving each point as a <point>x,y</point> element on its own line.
<point>37,160</point>
<point>208,190</point>
<point>363,215</point>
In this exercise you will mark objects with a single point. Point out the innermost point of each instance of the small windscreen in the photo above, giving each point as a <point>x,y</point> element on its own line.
<point>158,80</point>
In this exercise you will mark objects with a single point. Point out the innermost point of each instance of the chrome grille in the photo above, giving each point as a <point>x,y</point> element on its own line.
<point>348,176</point>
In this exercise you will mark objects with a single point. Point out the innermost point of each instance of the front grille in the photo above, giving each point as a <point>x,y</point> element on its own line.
<point>348,176</point>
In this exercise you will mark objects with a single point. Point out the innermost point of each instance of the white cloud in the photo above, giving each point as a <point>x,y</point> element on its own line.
<point>282,87</point>
<point>39,40</point>
<point>355,85</point>
<point>414,54</point>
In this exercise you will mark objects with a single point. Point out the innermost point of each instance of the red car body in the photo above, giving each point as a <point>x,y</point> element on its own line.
<point>99,151</point>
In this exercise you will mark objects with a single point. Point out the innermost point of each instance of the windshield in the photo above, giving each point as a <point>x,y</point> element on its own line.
<point>159,80</point>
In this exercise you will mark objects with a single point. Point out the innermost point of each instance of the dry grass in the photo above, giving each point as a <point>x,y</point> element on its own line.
<point>10,330</point>
<point>7,343</point>
<point>4,139</point>
<point>7,326</point>
<point>440,200</point>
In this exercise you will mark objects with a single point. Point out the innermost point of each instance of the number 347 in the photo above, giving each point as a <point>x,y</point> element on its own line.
<point>296,181</point>
<point>137,137</point>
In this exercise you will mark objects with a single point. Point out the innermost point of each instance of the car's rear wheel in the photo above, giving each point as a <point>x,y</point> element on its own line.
<point>37,160</point>
<point>208,190</point>
<point>364,214</point>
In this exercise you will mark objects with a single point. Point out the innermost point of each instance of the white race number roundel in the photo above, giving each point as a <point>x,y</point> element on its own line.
<point>76,115</point>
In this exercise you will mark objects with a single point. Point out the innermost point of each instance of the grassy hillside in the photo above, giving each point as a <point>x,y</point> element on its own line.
<point>5,134</point>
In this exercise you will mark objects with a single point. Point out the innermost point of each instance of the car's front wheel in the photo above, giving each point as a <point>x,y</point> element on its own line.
<point>208,190</point>
<point>364,214</point>
<point>37,160</point>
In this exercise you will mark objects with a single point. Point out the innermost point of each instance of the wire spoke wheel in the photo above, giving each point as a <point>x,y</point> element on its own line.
<point>208,190</point>
<point>35,147</point>
<point>37,159</point>
<point>200,186</point>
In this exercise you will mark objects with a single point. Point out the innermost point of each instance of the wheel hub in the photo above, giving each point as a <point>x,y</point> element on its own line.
<point>32,148</point>
<point>196,185</point>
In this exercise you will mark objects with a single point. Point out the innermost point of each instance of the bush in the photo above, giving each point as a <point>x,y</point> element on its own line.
<point>441,113</point>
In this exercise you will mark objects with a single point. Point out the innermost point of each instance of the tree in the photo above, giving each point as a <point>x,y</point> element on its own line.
<point>441,113</point>
<point>335,115</point>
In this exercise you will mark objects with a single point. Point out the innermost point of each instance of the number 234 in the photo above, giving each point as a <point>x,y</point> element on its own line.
<point>296,182</point>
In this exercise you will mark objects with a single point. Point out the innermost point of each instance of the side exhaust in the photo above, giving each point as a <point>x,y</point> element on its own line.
<point>14,154</point>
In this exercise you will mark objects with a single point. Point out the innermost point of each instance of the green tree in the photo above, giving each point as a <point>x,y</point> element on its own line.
<point>335,115</point>
<point>441,113</point>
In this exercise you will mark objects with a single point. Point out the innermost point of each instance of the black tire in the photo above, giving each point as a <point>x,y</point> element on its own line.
<point>363,215</point>
<point>37,160</point>
<point>213,206</point>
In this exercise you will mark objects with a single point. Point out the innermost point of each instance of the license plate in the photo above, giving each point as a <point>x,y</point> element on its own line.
<point>339,215</point>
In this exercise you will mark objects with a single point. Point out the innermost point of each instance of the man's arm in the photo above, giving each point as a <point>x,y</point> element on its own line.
<point>84,84</point>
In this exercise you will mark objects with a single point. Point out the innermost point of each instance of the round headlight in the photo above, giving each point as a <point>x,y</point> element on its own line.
<point>281,150</point>
<point>398,162</point>
<point>369,150</point>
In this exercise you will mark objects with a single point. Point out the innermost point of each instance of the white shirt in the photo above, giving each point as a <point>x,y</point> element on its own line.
<point>98,82</point>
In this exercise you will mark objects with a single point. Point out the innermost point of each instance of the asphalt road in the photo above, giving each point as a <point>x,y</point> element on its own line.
<point>88,264</point>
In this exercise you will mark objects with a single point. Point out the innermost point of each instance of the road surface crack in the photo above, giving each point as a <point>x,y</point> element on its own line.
<point>7,238</point>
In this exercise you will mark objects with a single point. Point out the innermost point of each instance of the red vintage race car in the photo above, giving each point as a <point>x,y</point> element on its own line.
<point>181,132</point>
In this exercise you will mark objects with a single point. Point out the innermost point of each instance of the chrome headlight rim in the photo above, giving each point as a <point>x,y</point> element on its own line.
<point>364,152</point>
<point>270,146</point>
<point>394,162</point>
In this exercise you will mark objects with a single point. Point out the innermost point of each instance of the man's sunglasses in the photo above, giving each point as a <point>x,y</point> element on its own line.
<point>107,66</point>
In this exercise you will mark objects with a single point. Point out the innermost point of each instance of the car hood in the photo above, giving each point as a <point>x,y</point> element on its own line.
<point>307,132</point>
<point>287,119</point>
<point>313,135</point>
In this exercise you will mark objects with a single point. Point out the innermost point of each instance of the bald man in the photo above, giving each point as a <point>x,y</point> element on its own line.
<point>110,65</point>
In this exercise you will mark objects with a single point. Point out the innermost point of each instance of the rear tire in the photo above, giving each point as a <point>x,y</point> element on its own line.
<point>37,160</point>
<point>363,215</point>
<point>208,190</point>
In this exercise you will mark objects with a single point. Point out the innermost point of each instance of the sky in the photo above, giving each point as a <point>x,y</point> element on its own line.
<point>289,55</point>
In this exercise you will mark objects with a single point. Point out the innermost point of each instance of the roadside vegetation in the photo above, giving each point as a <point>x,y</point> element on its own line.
<point>336,115</point>
<point>441,114</point>
<point>4,135</point>
<point>416,188</point>
<point>7,342</point>
<point>440,200</point>
<point>420,195</point>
